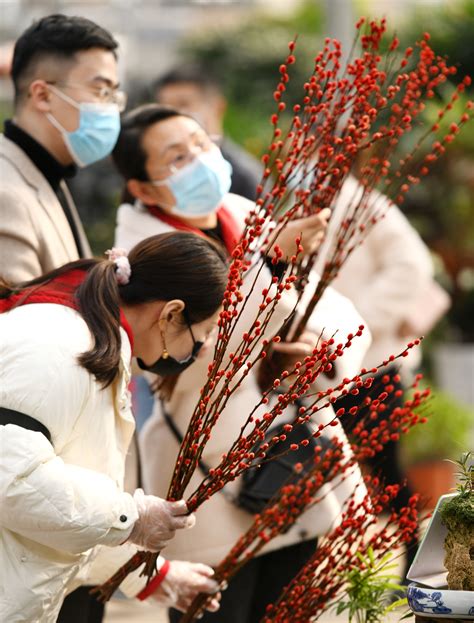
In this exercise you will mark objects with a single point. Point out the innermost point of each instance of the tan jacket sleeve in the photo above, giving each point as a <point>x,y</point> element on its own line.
<point>19,246</point>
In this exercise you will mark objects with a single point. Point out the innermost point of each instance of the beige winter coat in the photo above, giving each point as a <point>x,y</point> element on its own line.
<point>35,236</point>
<point>384,277</point>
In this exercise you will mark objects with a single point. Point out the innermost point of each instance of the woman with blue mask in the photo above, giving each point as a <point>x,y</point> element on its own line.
<point>176,179</point>
<point>176,175</point>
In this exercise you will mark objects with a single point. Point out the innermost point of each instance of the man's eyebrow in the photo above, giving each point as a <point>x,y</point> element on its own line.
<point>110,83</point>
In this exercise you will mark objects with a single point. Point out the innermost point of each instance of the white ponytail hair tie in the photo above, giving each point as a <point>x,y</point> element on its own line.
<point>123,271</point>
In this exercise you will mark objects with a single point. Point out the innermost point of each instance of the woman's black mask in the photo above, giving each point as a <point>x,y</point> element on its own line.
<point>167,366</point>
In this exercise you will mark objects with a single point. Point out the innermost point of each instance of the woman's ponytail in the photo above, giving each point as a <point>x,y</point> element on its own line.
<point>99,304</point>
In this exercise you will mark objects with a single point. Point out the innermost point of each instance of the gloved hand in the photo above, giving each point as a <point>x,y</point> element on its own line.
<point>183,582</point>
<point>158,521</point>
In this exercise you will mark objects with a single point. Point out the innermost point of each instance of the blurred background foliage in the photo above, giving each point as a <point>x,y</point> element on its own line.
<point>245,59</point>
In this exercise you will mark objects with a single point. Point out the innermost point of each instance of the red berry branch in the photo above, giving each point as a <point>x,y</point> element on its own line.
<point>334,465</point>
<point>296,496</point>
<point>322,580</point>
<point>251,447</point>
<point>350,122</point>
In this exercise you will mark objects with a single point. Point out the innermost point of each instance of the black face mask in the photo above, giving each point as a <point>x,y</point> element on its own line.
<point>167,366</point>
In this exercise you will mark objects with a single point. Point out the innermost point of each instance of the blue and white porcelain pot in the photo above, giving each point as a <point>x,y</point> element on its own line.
<point>440,603</point>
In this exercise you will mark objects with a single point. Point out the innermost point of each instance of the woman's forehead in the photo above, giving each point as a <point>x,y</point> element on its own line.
<point>168,133</point>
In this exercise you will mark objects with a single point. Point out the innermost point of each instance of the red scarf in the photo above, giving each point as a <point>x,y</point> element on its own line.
<point>231,232</point>
<point>59,291</point>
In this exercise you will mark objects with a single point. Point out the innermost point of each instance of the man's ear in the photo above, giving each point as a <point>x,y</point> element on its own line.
<point>40,95</point>
<point>141,190</point>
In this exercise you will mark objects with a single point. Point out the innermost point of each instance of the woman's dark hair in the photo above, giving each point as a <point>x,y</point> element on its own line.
<point>55,38</point>
<point>177,265</point>
<point>128,154</point>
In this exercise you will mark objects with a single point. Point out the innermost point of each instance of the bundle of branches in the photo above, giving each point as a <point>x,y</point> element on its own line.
<point>350,122</point>
<point>303,489</point>
<point>252,445</point>
<point>322,581</point>
<point>296,496</point>
<point>331,133</point>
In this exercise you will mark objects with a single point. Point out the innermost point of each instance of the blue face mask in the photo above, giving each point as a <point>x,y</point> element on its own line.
<point>98,131</point>
<point>200,186</point>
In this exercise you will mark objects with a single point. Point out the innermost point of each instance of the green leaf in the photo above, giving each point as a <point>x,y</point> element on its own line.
<point>403,601</point>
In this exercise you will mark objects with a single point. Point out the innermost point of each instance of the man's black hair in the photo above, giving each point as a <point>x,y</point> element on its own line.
<point>56,37</point>
<point>194,74</point>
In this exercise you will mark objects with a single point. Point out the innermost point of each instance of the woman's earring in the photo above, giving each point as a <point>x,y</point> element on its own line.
<point>165,353</point>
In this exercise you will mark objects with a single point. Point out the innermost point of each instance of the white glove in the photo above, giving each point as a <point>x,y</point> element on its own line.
<point>183,582</point>
<point>158,521</point>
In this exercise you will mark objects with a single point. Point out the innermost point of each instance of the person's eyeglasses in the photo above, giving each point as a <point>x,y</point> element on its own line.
<point>185,155</point>
<point>105,94</point>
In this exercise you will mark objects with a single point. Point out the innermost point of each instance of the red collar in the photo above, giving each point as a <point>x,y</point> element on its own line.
<point>59,291</point>
<point>127,328</point>
<point>231,232</point>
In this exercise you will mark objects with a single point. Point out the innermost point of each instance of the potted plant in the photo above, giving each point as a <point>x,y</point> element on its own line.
<point>451,527</point>
<point>370,590</point>
<point>425,448</point>
<point>457,515</point>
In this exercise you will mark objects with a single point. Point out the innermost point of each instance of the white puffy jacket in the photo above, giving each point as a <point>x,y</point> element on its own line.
<point>219,521</point>
<point>60,502</point>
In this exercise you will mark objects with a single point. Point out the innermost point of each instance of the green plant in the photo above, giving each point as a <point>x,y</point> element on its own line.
<point>369,587</point>
<point>460,509</point>
<point>465,474</point>
<point>443,436</point>
<point>457,514</point>
<point>442,206</point>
